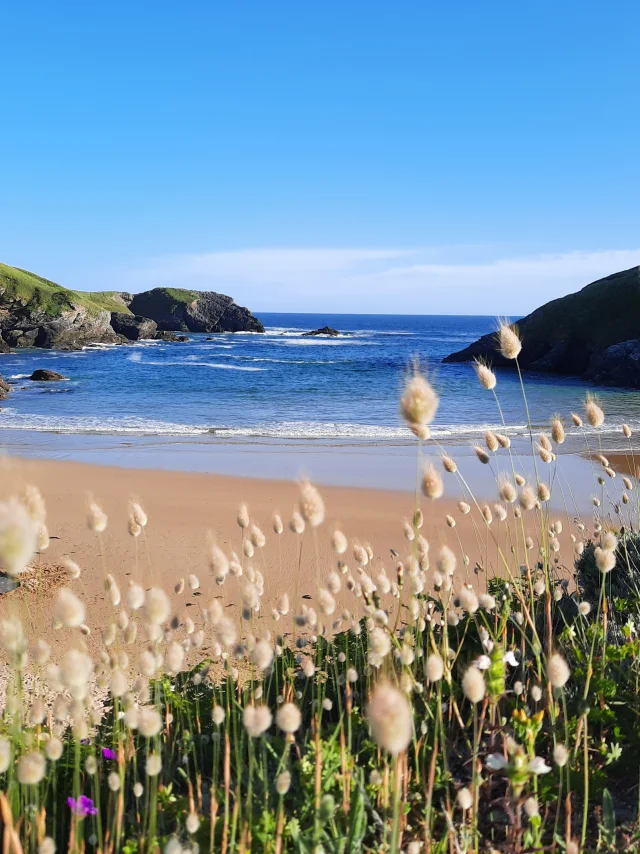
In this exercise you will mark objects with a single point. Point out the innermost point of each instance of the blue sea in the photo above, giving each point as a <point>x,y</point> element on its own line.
<point>283,385</point>
<point>281,405</point>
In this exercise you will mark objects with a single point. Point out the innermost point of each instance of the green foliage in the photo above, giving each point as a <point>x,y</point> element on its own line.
<point>40,294</point>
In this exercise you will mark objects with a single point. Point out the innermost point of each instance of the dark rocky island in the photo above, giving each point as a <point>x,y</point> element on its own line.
<point>594,334</point>
<point>35,312</point>
<point>193,311</point>
<point>42,375</point>
<point>326,330</point>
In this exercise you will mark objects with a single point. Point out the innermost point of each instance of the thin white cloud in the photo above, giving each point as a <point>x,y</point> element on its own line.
<point>393,280</point>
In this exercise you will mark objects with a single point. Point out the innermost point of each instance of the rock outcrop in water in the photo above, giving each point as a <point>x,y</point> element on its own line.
<point>133,327</point>
<point>35,312</point>
<point>592,333</point>
<point>43,375</point>
<point>326,330</point>
<point>5,388</point>
<point>174,309</point>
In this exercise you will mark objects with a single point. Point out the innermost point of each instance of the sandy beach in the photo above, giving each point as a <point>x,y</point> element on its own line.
<point>184,507</point>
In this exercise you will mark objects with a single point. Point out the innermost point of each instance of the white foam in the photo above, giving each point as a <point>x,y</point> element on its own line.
<point>127,425</point>
<point>190,362</point>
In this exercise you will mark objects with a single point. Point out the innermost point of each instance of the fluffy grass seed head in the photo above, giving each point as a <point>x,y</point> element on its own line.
<point>289,718</point>
<point>243,516</point>
<point>605,559</point>
<point>311,504</point>
<point>153,765</point>
<point>485,375</point>
<point>557,430</point>
<point>527,498</point>
<point>283,782</point>
<point>297,523</point>
<point>560,755</point>
<point>31,768</point>
<point>491,440</point>
<point>506,489</point>
<point>96,519</point>
<point>149,721</point>
<point>156,606</point>
<point>468,600</point>
<point>418,404</point>
<point>593,411</point>
<point>449,464</point>
<point>256,720</point>
<point>432,485</point>
<point>446,561</point>
<point>464,799</point>
<point>509,342</point>
<point>473,685</point>
<point>390,718</point>
<point>69,610</point>
<point>481,454</point>
<point>558,670</point>
<point>18,537</point>
<point>135,596</point>
<point>434,667</point>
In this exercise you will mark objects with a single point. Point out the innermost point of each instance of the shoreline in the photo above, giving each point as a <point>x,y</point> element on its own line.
<point>381,466</point>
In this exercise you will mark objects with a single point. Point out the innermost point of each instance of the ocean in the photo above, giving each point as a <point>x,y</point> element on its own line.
<point>281,385</point>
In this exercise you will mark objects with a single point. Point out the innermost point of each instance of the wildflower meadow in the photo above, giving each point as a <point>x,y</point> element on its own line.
<point>409,705</point>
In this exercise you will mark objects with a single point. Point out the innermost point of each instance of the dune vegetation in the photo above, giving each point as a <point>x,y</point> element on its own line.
<point>403,708</point>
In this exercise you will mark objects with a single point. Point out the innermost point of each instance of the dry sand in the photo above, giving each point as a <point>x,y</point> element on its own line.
<point>182,507</point>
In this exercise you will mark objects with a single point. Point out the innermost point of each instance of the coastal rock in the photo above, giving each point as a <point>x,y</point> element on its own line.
<point>43,375</point>
<point>133,326</point>
<point>5,388</point>
<point>175,309</point>
<point>326,330</point>
<point>163,335</point>
<point>618,365</point>
<point>575,335</point>
<point>35,312</point>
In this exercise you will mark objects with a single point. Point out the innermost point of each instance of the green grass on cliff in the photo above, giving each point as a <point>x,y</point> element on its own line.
<point>51,298</point>
<point>181,294</point>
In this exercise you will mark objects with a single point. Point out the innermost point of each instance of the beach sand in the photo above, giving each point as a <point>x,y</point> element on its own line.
<point>183,507</point>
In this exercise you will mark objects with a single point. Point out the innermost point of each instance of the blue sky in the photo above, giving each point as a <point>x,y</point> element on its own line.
<point>424,157</point>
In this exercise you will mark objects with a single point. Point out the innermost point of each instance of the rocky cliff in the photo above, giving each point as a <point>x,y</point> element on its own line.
<point>35,312</point>
<point>194,311</point>
<point>593,333</point>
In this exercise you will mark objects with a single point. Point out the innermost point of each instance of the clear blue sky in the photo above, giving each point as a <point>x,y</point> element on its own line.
<point>428,156</point>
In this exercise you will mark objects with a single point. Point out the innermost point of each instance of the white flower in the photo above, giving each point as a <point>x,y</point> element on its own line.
<point>483,662</point>
<point>538,766</point>
<point>496,762</point>
<point>510,659</point>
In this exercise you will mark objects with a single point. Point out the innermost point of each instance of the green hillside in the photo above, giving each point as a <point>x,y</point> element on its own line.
<point>51,298</point>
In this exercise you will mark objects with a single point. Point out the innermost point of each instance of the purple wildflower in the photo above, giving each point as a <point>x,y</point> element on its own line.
<point>82,807</point>
<point>107,753</point>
